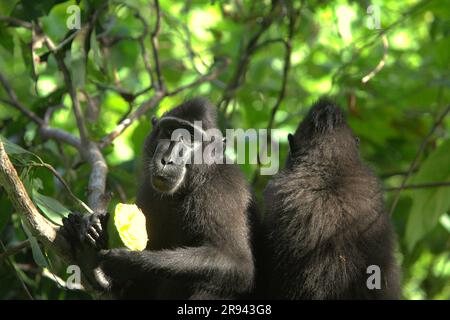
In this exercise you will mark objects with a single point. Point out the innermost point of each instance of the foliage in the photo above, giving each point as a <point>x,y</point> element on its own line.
<point>330,49</point>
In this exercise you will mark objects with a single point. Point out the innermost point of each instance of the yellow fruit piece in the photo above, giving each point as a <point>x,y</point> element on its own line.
<point>130,224</point>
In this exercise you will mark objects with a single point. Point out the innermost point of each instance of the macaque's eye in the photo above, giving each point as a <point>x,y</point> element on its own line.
<point>357,141</point>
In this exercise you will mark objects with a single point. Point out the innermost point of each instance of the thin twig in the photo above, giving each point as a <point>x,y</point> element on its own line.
<point>70,87</point>
<point>15,102</point>
<point>64,183</point>
<point>14,250</point>
<point>419,152</point>
<point>141,39</point>
<point>202,79</point>
<point>125,123</point>
<point>287,65</point>
<point>155,46</point>
<point>242,66</point>
<point>24,287</point>
<point>380,64</point>
<point>45,130</point>
<point>293,14</point>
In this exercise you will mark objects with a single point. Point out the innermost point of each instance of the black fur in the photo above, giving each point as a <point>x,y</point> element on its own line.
<point>325,221</point>
<point>199,236</point>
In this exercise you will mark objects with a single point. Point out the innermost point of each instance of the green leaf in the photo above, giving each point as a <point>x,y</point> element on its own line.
<point>38,255</point>
<point>429,203</point>
<point>51,207</point>
<point>30,133</point>
<point>12,148</point>
<point>31,9</point>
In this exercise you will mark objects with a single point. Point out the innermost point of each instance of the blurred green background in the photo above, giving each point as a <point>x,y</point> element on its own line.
<point>334,45</point>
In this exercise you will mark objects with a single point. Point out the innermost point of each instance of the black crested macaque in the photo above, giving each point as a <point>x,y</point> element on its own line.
<point>325,221</point>
<point>197,221</point>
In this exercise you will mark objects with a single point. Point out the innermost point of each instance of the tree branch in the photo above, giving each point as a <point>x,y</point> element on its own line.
<point>60,135</point>
<point>70,87</point>
<point>41,228</point>
<point>287,65</point>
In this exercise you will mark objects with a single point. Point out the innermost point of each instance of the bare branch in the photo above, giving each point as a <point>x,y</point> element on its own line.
<point>97,199</point>
<point>14,250</point>
<point>45,130</point>
<point>16,22</point>
<point>60,135</point>
<point>202,79</point>
<point>125,123</point>
<point>419,152</point>
<point>380,64</point>
<point>15,102</point>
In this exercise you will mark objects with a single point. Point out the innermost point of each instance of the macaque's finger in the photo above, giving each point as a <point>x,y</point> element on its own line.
<point>93,233</point>
<point>91,240</point>
<point>98,227</point>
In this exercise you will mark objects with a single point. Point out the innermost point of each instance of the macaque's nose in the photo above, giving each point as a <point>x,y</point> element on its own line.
<point>165,160</point>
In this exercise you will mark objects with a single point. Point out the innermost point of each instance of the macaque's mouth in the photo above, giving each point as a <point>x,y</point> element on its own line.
<point>164,183</point>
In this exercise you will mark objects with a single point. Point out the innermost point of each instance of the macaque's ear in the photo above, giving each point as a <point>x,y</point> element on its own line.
<point>291,141</point>
<point>154,120</point>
